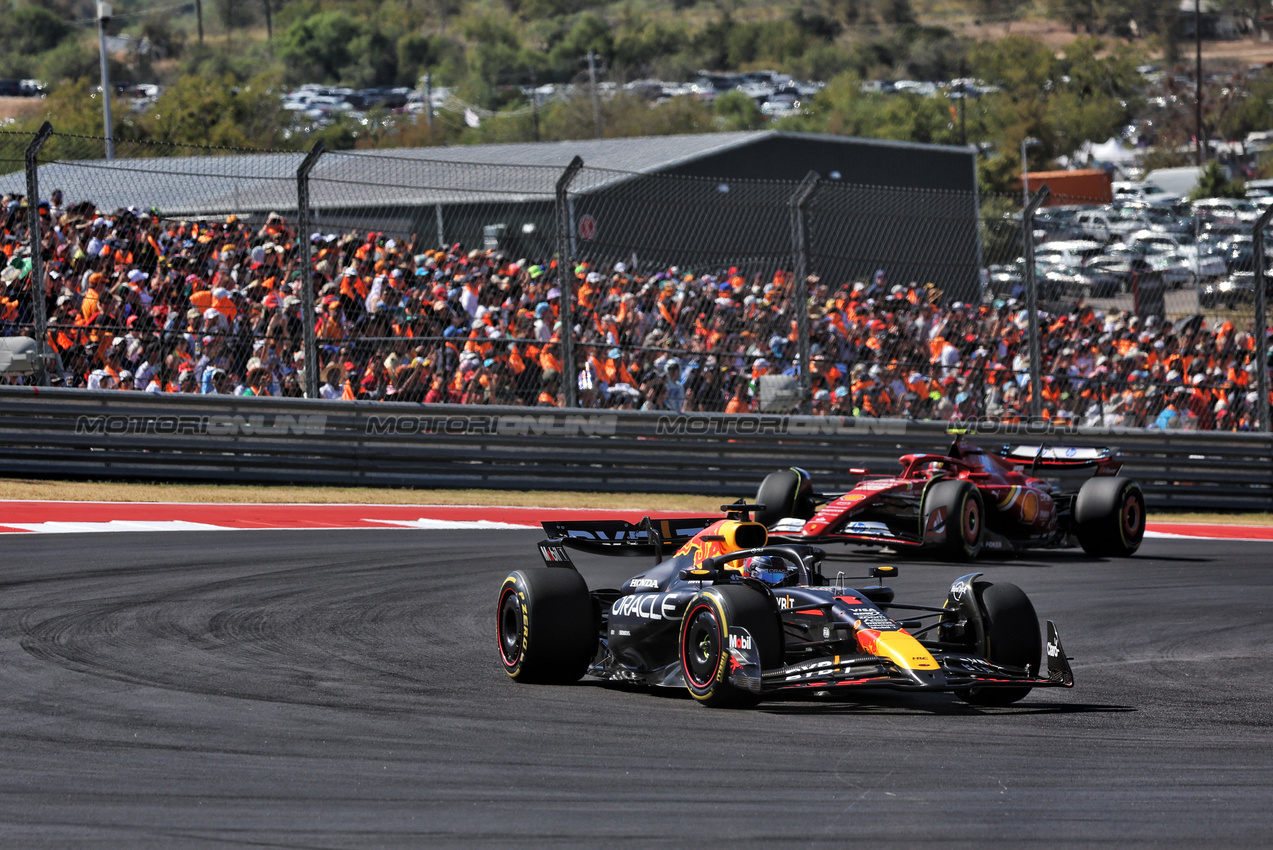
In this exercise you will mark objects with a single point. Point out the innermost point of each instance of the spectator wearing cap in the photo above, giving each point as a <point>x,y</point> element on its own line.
<point>186,382</point>
<point>673,388</point>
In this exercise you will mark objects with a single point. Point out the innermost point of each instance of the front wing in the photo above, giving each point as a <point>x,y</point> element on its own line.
<point>958,671</point>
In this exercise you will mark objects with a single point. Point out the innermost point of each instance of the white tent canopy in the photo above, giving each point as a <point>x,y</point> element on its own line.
<point>1112,151</point>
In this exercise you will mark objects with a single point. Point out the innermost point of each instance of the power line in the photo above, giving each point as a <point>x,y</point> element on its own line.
<point>93,21</point>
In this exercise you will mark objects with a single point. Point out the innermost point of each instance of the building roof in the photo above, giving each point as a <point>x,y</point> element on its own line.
<point>260,182</point>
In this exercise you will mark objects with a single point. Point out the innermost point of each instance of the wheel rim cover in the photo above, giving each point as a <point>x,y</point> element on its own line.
<point>1131,517</point>
<point>702,648</point>
<point>972,522</point>
<point>510,628</point>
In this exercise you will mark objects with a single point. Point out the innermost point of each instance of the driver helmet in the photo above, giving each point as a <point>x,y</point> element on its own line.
<point>772,571</point>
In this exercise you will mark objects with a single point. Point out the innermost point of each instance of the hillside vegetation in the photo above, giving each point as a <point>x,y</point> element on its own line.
<point>226,88</point>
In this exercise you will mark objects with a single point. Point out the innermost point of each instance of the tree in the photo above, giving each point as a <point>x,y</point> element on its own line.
<point>841,108</point>
<point>317,48</point>
<point>235,14</point>
<point>75,109</point>
<point>1074,13</point>
<point>1092,95</point>
<point>30,30</point>
<point>217,112</point>
<point>738,111</point>
<point>1214,182</point>
<point>163,37</point>
<point>71,60</point>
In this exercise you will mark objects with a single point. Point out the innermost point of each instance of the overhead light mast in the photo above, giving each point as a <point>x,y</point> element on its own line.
<point>104,13</point>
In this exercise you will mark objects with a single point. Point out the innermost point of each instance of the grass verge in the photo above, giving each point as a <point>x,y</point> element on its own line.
<point>256,494</point>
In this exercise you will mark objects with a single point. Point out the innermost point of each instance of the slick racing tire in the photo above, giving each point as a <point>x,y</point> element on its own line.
<point>1012,638</point>
<point>965,518</point>
<point>1109,517</point>
<point>705,656</point>
<point>544,626</point>
<point>785,493</point>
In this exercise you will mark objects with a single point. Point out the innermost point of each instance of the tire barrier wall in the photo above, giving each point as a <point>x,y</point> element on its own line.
<point>116,435</point>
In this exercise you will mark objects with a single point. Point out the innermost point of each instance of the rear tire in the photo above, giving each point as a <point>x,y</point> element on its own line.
<point>1109,517</point>
<point>705,657</point>
<point>544,626</point>
<point>965,518</point>
<point>1012,638</point>
<point>785,493</point>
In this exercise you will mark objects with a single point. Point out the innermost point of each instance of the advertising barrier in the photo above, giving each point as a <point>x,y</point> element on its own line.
<point>86,434</point>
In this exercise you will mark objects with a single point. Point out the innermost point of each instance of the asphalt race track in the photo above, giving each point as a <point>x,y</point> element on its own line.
<point>341,688</point>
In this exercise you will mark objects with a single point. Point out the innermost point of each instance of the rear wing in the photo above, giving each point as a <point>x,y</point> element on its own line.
<point>617,537</point>
<point>1059,458</point>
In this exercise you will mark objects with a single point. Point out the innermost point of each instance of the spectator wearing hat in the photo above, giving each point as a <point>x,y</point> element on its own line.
<point>673,388</point>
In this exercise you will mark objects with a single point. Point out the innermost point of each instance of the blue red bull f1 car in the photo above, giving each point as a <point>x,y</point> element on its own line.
<point>734,617</point>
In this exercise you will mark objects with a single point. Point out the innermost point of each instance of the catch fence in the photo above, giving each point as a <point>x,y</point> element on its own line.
<point>400,275</point>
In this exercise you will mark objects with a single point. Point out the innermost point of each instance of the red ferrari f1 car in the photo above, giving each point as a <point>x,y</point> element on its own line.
<point>967,502</point>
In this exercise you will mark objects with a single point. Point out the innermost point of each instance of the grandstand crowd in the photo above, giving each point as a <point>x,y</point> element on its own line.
<point>136,301</point>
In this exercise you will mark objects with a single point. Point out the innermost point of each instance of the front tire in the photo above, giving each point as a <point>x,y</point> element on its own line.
<point>964,518</point>
<point>544,626</point>
<point>785,493</point>
<point>705,656</point>
<point>1011,638</point>
<point>1109,517</point>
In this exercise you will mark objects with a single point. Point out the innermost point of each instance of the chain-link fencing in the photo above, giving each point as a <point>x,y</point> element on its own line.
<point>1152,307</point>
<point>156,268</point>
<point>405,276</point>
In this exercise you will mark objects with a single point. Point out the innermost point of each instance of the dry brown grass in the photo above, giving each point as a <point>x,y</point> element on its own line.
<point>1212,519</point>
<point>116,491</point>
<point>20,107</point>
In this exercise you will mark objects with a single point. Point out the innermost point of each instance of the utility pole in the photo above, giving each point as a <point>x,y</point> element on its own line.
<point>596,98</point>
<point>534,100</point>
<point>1197,82</point>
<point>1027,142</point>
<point>198,13</point>
<point>428,100</point>
<point>103,21</point>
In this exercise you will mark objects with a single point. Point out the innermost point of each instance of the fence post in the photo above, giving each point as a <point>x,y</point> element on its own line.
<point>800,250</point>
<point>566,283</point>
<point>1032,303</point>
<point>1261,320</point>
<point>39,303</point>
<point>307,268</point>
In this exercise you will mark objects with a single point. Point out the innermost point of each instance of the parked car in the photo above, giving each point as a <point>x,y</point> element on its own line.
<point>1149,192</point>
<point>1109,224</point>
<point>1235,291</point>
<point>1199,261</point>
<point>1057,223</point>
<point>1238,253</point>
<point>1233,209</point>
<point>1070,252</point>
